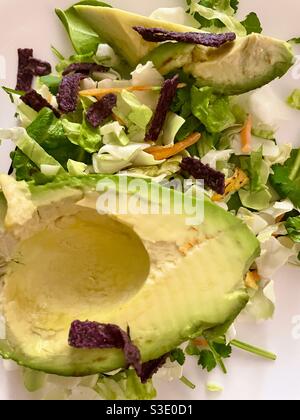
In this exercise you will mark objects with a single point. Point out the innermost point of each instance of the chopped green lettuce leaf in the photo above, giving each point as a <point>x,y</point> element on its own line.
<point>82,36</point>
<point>252,24</point>
<point>294,99</point>
<point>114,133</point>
<point>211,109</point>
<point>52,82</point>
<point>171,128</point>
<point>286,178</point>
<point>217,11</point>
<point>293,228</point>
<point>50,171</point>
<point>83,135</point>
<point>76,168</point>
<point>29,147</point>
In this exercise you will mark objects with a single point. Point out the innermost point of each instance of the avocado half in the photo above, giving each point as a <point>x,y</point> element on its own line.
<point>238,67</point>
<point>61,260</point>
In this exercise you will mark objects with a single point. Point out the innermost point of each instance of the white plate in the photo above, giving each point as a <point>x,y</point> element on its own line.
<point>32,23</point>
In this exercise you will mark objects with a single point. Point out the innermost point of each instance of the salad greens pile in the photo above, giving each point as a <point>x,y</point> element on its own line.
<point>238,139</point>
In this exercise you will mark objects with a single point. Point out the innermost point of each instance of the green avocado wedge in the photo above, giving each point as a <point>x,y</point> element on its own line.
<point>237,67</point>
<point>61,260</point>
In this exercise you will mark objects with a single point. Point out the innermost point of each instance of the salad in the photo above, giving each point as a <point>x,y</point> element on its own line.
<point>180,96</point>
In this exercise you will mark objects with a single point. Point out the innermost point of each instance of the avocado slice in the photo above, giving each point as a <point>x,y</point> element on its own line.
<point>238,67</point>
<point>64,261</point>
<point>115,26</point>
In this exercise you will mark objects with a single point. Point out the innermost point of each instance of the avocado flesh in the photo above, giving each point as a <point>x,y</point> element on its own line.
<point>237,67</point>
<point>116,27</point>
<point>168,281</point>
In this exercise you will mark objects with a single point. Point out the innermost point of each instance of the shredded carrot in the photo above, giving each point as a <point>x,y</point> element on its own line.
<point>99,93</point>
<point>233,184</point>
<point>165,152</point>
<point>201,342</point>
<point>252,280</point>
<point>246,135</point>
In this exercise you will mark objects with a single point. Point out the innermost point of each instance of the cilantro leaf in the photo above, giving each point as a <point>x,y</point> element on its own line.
<point>293,228</point>
<point>252,24</point>
<point>207,360</point>
<point>223,350</point>
<point>177,355</point>
<point>286,178</point>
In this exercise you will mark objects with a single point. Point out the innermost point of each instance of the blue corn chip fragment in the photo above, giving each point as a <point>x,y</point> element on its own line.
<point>206,39</point>
<point>68,92</point>
<point>84,68</point>
<point>29,67</point>
<point>101,110</point>
<point>37,102</point>
<point>25,75</point>
<point>167,96</point>
<point>212,178</point>
<point>39,67</point>
<point>152,367</point>
<point>93,335</point>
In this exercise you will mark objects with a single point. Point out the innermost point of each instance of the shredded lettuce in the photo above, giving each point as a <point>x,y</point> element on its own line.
<point>211,109</point>
<point>107,164</point>
<point>294,99</point>
<point>171,128</point>
<point>132,111</point>
<point>83,135</point>
<point>29,147</point>
<point>273,256</point>
<point>114,133</point>
<point>50,170</point>
<point>222,14</point>
<point>262,303</point>
<point>105,55</point>
<point>76,168</point>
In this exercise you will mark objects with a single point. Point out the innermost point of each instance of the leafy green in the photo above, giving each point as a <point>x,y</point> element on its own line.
<point>252,24</point>
<point>177,355</point>
<point>286,178</point>
<point>211,357</point>
<point>83,135</point>
<point>293,228</point>
<point>211,109</point>
<point>52,82</point>
<point>218,14</point>
<point>82,36</point>
<point>76,58</point>
<point>191,125</point>
<point>294,99</point>
<point>31,148</point>
<point>48,131</point>
<point>24,168</point>
<point>124,386</point>
<point>207,143</point>
<point>207,360</point>
<point>295,40</point>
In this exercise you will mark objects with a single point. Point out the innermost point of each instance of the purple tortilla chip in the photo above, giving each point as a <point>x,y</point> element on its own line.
<point>37,102</point>
<point>84,68</point>
<point>206,39</point>
<point>68,92</point>
<point>101,110</point>
<point>38,67</point>
<point>167,96</point>
<point>92,335</point>
<point>25,75</point>
<point>212,179</point>
<point>152,367</point>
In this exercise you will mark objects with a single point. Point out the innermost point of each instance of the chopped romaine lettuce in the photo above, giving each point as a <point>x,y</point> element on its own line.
<point>114,133</point>
<point>211,109</point>
<point>83,135</point>
<point>76,168</point>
